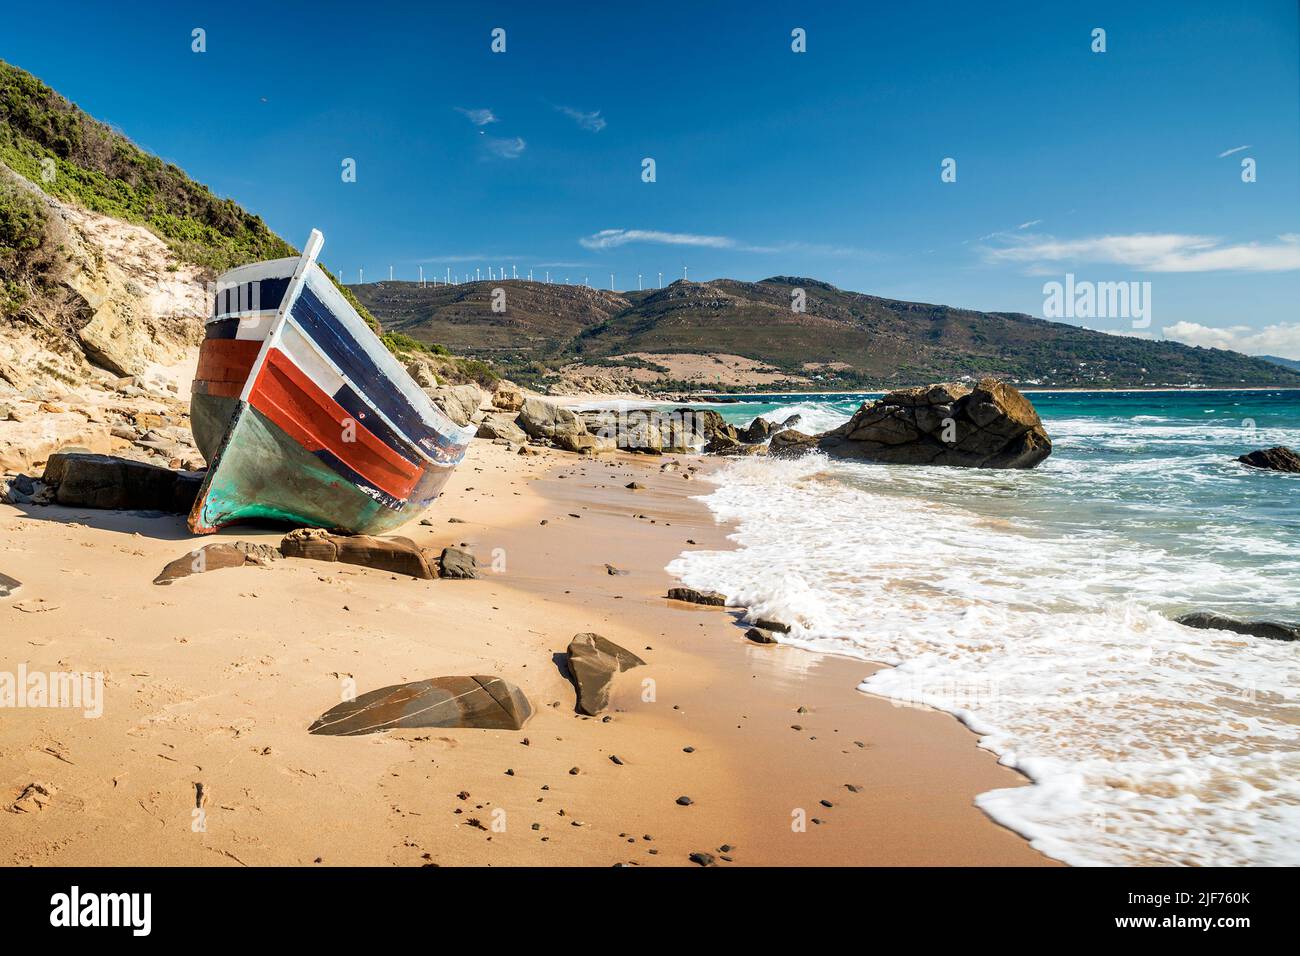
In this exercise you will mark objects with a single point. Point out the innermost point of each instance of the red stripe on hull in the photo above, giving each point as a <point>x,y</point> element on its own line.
<point>289,398</point>
<point>226,361</point>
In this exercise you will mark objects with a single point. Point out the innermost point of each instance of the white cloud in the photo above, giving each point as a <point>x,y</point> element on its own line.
<point>1153,252</point>
<point>1282,339</point>
<point>505,148</point>
<point>592,121</point>
<point>1235,149</point>
<point>478,117</point>
<point>612,238</point>
<point>1026,225</point>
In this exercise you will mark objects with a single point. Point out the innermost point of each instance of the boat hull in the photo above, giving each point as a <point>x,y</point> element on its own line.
<point>265,474</point>
<point>304,416</point>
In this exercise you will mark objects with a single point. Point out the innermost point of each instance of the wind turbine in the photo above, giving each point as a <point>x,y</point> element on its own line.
<point>638,282</point>
<point>390,273</point>
<point>611,282</point>
<point>548,276</point>
<point>361,277</point>
<point>435,282</point>
<point>478,274</point>
<point>661,280</point>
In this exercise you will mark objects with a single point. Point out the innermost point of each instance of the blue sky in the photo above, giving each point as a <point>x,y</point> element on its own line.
<point>768,162</point>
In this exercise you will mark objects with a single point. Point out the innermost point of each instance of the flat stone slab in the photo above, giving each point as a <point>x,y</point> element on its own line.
<point>83,480</point>
<point>392,553</point>
<point>480,701</point>
<point>8,585</point>
<point>214,557</point>
<point>593,662</point>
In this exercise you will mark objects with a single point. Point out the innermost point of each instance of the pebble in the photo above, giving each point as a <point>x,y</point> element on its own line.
<point>684,801</point>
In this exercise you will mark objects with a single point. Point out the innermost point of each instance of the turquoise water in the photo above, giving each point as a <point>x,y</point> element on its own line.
<point>1036,606</point>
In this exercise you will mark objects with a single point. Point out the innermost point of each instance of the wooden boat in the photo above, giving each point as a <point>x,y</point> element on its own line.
<point>304,415</point>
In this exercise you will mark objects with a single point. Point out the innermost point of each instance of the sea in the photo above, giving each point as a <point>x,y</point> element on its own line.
<point>1036,607</point>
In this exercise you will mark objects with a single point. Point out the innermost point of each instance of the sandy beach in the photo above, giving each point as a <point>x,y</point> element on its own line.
<point>214,680</point>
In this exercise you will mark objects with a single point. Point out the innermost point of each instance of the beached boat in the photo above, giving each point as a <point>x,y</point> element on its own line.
<point>302,413</point>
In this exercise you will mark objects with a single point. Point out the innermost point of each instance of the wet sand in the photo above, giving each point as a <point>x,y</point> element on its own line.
<point>214,679</point>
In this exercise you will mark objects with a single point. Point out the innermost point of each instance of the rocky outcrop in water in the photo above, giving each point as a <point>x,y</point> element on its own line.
<point>1272,630</point>
<point>1279,458</point>
<point>989,425</point>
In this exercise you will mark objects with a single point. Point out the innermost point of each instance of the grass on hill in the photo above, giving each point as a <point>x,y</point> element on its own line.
<point>74,157</point>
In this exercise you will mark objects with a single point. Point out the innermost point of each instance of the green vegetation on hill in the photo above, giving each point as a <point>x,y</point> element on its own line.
<point>74,157</point>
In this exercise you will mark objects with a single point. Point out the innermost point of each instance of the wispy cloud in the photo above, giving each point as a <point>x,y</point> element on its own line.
<point>613,238</point>
<point>592,121</point>
<point>1235,149</point>
<point>1027,225</point>
<point>1282,339</point>
<point>478,117</point>
<point>510,148</point>
<point>1152,252</point>
<point>495,258</point>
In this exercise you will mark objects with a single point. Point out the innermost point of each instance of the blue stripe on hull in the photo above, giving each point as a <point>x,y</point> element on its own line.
<point>360,410</point>
<point>264,295</point>
<point>343,471</point>
<point>315,318</point>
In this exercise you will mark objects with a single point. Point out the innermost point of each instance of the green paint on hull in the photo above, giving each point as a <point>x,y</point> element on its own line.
<point>262,473</point>
<point>210,417</point>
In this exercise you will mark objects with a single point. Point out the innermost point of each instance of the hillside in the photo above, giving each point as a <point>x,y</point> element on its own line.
<point>106,250</point>
<point>1293,364</point>
<point>842,339</point>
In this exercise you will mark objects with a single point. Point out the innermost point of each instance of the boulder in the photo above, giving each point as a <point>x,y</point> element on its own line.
<point>421,370</point>
<point>9,586</point>
<point>583,443</point>
<point>989,425</point>
<point>393,553</point>
<point>507,396</point>
<point>498,425</point>
<point>1279,458</point>
<point>481,701</point>
<point>457,563</point>
<point>214,557</point>
<point>543,419</point>
<point>102,481</point>
<point>711,598</point>
<point>1273,630</point>
<point>760,636</point>
<point>760,429</point>
<point>593,662</point>
<point>791,444</point>
<point>459,402</point>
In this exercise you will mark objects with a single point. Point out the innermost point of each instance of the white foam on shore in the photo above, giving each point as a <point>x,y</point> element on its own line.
<point>1147,742</point>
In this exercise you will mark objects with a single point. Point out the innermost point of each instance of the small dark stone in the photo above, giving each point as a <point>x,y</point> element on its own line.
<point>684,801</point>
<point>704,859</point>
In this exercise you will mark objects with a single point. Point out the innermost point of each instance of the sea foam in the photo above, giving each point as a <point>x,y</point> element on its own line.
<point>1042,621</point>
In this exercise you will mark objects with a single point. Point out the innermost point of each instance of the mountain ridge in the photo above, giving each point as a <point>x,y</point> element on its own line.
<point>841,339</point>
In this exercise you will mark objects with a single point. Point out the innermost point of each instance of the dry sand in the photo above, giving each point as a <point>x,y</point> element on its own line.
<point>214,679</point>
